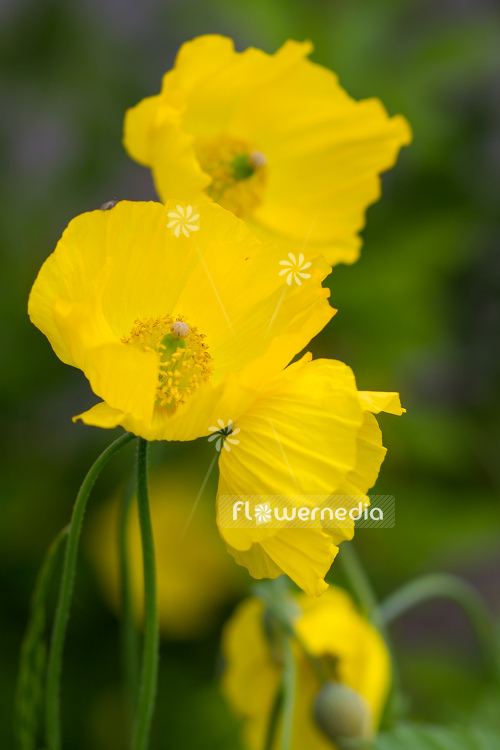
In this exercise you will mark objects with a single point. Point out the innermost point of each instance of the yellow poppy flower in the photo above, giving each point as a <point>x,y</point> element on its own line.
<point>195,575</point>
<point>308,433</point>
<point>349,648</point>
<point>184,333</point>
<point>173,332</point>
<point>273,138</point>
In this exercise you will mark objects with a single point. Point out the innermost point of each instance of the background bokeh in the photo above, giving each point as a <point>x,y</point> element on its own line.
<point>420,313</point>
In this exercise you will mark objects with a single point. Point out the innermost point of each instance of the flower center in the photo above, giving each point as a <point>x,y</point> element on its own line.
<point>184,362</point>
<point>238,173</point>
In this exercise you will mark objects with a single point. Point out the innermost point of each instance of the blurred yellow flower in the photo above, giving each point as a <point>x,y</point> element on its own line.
<point>195,575</point>
<point>350,650</point>
<point>172,332</point>
<point>273,138</point>
<point>308,433</point>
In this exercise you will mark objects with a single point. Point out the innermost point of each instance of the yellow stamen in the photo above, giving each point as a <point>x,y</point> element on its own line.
<point>184,362</point>
<point>238,172</point>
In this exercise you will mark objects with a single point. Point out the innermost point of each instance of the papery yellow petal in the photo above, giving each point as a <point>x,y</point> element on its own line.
<point>191,420</point>
<point>324,150</point>
<point>139,126</point>
<point>299,437</point>
<point>377,401</point>
<point>114,268</point>
<point>304,555</point>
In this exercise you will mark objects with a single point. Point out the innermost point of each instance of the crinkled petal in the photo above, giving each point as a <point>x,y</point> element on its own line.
<point>377,401</point>
<point>324,150</point>
<point>299,437</point>
<point>114,267</point>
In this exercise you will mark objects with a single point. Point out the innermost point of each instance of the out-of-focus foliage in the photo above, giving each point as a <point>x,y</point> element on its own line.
<point>419,313</point>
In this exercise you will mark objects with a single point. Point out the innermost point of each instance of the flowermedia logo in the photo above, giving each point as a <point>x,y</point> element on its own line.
<point>321,511</point>
<point>263,513</point>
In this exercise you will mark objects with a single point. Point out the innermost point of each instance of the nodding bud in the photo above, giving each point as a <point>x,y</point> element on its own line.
<point>343,713</point>
<point>258,159</point>
<point>109,204</point>
<point>179,329</point>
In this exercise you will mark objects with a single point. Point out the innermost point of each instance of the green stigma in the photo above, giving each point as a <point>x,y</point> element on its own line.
<point>242,167</point>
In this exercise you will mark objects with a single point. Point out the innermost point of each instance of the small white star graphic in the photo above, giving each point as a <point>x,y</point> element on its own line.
<point>183,220</point>
<point>221,435</point>
<point>294,269</point>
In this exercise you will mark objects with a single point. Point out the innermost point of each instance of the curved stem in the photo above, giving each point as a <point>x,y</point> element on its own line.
<point>147,693</point>
<point>289,680</point>
<point>129,633</point>
<point>52,714</point>
<point>444,586</point>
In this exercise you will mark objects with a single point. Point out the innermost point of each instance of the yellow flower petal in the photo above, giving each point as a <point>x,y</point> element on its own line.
<point>306,434</point>
<point>323,150</point>
<point>377,401</point>
<point>138,126</point>
<point>332,629</point>
<point>299,437</point>
<point>113,268</point>
<point>191,420</point>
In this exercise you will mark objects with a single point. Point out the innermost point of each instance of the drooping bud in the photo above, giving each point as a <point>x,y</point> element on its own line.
<point>342,713</point>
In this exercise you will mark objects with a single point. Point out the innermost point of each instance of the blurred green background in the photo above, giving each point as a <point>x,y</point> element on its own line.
<point>420,313</point>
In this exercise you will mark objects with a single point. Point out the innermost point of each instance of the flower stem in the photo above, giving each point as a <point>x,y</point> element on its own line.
<point>362,589</point>
<point>289,680</point>
<point>129,633</point>
<point>273,719</point>
<point>54,670</point>
<point>29,688</point>
<point>359,581</point>
<point>447,587</point>
<point>147,692</point>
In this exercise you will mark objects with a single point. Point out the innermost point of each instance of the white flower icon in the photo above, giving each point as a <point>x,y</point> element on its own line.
<point>263,513</point>
<point>183,220</point>
<point>221,434</point>
<point>294,269</point>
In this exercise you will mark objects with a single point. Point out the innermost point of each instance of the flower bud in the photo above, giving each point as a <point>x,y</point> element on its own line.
<point>342,713</point>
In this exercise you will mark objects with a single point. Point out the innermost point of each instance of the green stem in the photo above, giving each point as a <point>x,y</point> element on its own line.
<point>147,693</point>
<point>54,670</point>
<point>29,689</point>
<point>289,680</point>
<point>359,581</point>
<point>362,589</point>
<point>445,586</point>
<point>129,633</point>
<point>273,719</point>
